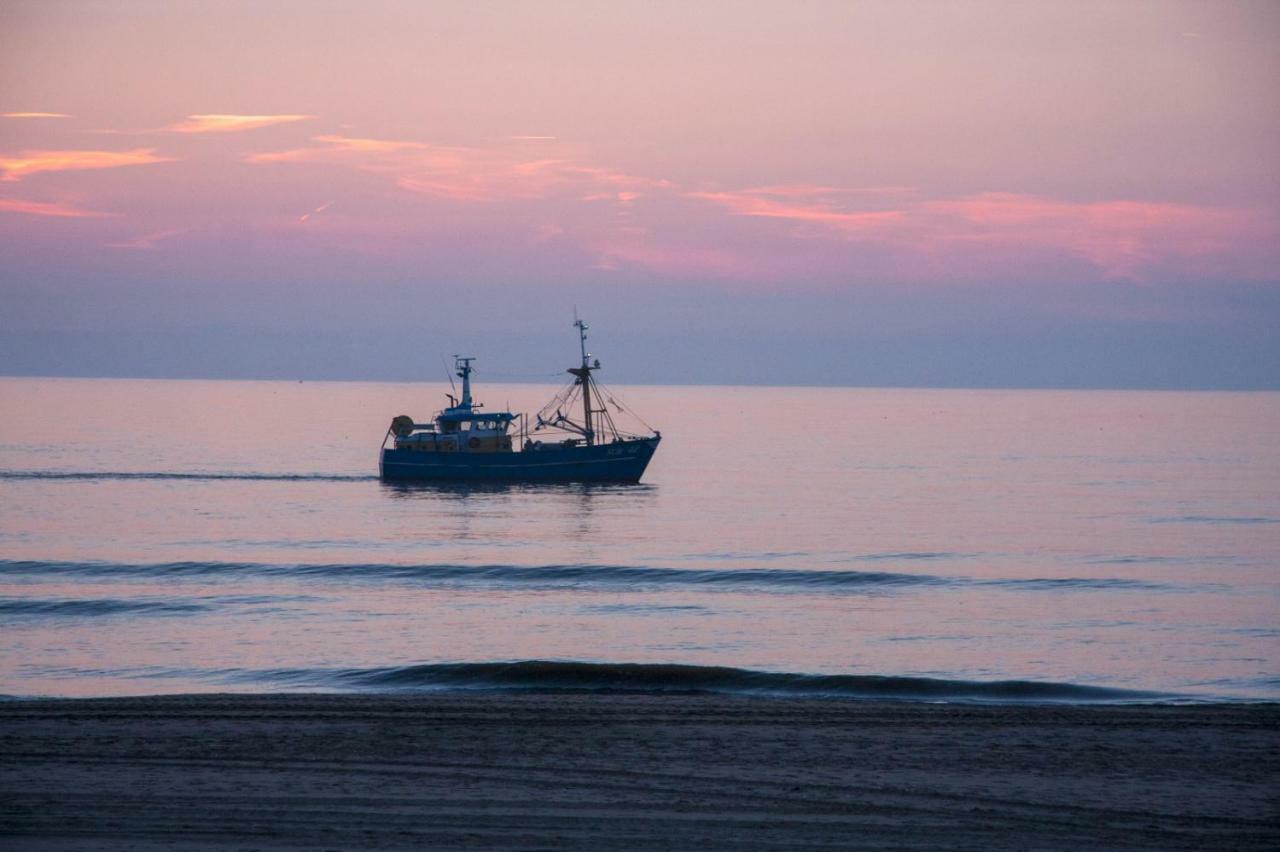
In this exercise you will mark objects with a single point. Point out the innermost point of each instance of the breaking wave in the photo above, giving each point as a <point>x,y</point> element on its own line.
<point>551,676</point>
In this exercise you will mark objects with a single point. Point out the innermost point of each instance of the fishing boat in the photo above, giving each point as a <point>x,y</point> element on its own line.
<point>464,443</point>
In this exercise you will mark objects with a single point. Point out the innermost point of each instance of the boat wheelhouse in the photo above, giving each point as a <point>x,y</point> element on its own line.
<point>466,443</point>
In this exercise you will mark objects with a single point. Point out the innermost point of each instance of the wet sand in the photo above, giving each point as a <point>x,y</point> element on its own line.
<point>597,771</point>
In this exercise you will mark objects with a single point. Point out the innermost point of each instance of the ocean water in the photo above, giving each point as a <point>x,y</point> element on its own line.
<point>198,536</point>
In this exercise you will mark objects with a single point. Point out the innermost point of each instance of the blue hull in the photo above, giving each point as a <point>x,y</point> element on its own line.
<point>621,462</point>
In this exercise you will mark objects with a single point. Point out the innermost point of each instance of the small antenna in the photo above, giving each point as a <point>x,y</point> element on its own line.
<point>582,337</point>
<point>449,373</point>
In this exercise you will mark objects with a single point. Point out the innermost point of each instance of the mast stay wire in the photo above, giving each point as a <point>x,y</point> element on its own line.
<point>611,397</point>
<point>555,375</point>
<point>552,414</point>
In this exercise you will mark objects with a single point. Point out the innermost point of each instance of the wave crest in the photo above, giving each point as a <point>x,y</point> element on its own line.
<point>577,575</point>
<point>562,676</point>
<point>95,606</point>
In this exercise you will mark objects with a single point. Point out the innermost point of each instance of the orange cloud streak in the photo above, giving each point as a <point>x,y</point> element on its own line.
<point>459,173</point>
<point>223,123</point>
<point>31,162</point>
<point>47,208</point>
<point>34,115</point>
<point>147,242</point>
<point>755,203</point>
<point>620,250</point>
<point>323,207</point>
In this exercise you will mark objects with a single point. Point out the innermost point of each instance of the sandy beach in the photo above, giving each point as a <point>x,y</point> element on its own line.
<point>630,771</point>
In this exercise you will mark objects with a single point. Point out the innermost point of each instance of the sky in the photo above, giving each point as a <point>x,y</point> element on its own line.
<point>971,194</point>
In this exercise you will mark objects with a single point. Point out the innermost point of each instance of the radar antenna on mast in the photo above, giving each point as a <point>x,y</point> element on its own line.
<point>584,378</point>
<point>582,336</point>
<point>463,367</point>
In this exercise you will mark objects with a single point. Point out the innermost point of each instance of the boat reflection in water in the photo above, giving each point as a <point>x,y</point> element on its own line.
<point>465,444</point>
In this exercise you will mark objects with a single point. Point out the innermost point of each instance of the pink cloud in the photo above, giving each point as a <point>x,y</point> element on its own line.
<point>1123,239</point>
<point>805,190</point>
<point>31,162</point>
<point>882,231</point>
<point>48,208</point>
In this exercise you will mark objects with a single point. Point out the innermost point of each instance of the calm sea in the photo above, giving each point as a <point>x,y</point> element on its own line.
<point>195,536</point>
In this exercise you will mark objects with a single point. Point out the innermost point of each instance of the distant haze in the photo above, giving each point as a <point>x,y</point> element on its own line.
<point>974,194</point>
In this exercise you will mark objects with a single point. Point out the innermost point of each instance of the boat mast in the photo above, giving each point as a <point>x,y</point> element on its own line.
<point>463,366</point>
<point>584,377</point>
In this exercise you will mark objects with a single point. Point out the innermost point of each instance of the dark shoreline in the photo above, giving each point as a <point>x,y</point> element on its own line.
<point>631,771</point>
